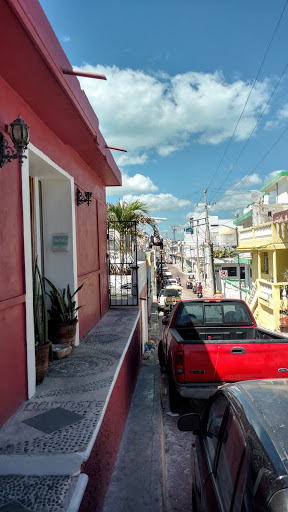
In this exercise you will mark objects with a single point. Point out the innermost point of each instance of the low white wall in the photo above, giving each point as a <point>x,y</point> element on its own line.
<point>231,291</point>
<point>142,275</point>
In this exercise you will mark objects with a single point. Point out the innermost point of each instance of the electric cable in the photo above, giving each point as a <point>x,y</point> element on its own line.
<point>253,85</point>
<point>257,165</point>
<point>247,141</point>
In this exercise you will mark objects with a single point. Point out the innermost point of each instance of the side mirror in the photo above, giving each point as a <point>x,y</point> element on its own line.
<point>190,423</point>
<point>164,320</point>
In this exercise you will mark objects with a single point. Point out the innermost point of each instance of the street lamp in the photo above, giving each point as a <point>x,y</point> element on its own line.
<point>20,136</point>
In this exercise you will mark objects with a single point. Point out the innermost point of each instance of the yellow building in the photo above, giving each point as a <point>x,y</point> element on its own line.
<point>268,244</point>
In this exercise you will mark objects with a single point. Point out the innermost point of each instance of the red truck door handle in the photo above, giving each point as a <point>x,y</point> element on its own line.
<point>238,350</point>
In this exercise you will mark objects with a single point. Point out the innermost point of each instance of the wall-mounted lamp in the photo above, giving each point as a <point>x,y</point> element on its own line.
<point>20,137</point>
<point>83,198</point>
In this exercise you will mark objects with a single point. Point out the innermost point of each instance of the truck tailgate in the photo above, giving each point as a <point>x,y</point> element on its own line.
<point>236,360</point>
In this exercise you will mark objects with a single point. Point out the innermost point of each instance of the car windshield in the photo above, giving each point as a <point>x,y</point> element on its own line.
<point>202,313</point>
<point>171,293</point>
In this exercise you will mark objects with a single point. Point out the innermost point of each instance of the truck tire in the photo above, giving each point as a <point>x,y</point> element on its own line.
<point>161,358</point>
<point>174,398</point>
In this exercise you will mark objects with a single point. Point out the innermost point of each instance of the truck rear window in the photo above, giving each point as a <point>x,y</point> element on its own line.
<point>212,314</point>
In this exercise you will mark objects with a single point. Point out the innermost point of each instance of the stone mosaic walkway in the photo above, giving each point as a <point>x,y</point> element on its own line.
<point>44,444</point>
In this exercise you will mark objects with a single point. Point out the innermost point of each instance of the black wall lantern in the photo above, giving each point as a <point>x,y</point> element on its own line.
<point>83,198</point>
<point>20,136</point>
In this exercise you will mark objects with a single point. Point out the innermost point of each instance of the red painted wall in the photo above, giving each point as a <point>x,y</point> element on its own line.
<point>12,294</point>
<point>101,462</point>
<point>90,235</point>
<point>13,359</point>
<point>56,128</point>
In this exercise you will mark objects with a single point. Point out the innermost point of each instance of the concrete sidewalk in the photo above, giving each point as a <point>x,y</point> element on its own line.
<point>68,434</point>
<point>136,483</point>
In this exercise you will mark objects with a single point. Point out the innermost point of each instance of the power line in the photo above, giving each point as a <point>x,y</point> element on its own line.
<point>247,141</point>
<point>253,85</point>
<point>254,168</point>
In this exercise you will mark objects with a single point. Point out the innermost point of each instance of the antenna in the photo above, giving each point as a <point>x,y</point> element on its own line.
<point>256,196</point>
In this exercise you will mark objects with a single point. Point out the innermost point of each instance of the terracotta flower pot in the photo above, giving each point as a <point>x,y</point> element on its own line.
<point>63,333</point>
<point>41,357</point>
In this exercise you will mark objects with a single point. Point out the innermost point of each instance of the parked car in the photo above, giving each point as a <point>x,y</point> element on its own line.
<point>171,282</point>
<point>239,457</point>
<point>169,295</point>
<point>167,275</point>
<point>173,296</point>
<point>210,342</point>
<point>189,281</point>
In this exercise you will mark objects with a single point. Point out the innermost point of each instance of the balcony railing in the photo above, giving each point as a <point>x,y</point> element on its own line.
<point>268,232</point>
<point>272,291</point>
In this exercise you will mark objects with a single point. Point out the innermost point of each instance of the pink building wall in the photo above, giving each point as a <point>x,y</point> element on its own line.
<point>64,127</point>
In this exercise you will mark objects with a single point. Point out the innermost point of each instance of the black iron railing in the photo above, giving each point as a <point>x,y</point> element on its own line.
<point>122,251</point>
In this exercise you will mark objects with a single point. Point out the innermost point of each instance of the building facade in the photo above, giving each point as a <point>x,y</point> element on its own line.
<point>66,156</point>
<point>267,242</point>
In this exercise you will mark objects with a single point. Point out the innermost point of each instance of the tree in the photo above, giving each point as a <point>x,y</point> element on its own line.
<point>122,211</point>
<point>134,211</point>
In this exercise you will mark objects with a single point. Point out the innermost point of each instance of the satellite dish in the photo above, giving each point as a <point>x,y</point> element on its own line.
<point>256,196</point>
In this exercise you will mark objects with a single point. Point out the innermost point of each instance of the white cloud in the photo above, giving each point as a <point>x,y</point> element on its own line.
<point>249,181</point>
<point>130,158</point>
<point>66,39</point>
<point>197,213</point>
<point>137,184</point>
<point>159,202</point>
<point>145,113</point>
<point>234,201</point>
<point>271,176</point>
<point>281,115</point>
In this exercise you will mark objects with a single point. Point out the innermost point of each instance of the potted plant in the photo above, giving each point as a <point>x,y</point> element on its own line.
<point>62,314</point>
<point>42,344</point>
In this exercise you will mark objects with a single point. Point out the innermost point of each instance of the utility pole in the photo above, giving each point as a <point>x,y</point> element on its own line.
<point>204,266</point>
<point>197,249</point>
<point>173,231</point>
<point>213,289</point>
<point>181,252</point>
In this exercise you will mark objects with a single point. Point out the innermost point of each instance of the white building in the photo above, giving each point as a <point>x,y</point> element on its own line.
<point>222,235</point>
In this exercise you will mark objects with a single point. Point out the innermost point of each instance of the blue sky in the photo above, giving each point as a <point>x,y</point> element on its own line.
<point>178,77</point>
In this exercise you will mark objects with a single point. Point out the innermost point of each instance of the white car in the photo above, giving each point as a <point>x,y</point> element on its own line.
<point>171,282</point>
<point>170,291</point>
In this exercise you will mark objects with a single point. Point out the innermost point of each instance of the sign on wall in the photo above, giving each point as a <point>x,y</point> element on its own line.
<point>60,242</point>
<point>223,274</point>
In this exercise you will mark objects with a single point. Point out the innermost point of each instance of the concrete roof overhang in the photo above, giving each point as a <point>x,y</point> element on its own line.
<point>241,220</point>
<point>271,185</point>
<point>31,62</point>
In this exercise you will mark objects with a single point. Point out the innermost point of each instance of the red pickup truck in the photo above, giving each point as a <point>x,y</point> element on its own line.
<point>210,342</point>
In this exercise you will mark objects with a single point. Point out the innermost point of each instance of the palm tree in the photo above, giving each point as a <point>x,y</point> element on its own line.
<point>122,211</point>
<point>134,211</point>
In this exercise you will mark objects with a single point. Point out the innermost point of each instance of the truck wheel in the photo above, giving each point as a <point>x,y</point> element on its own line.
<point>174,398</point>
<point>161,358</point>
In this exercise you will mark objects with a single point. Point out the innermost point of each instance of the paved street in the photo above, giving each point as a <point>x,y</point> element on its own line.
<point>152,471</point>
<point>186,294</point>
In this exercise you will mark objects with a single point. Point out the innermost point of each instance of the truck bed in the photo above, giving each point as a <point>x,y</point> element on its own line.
<point>200,353</point>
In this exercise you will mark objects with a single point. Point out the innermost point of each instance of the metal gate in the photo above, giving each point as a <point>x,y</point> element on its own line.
<point>123,274</point>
